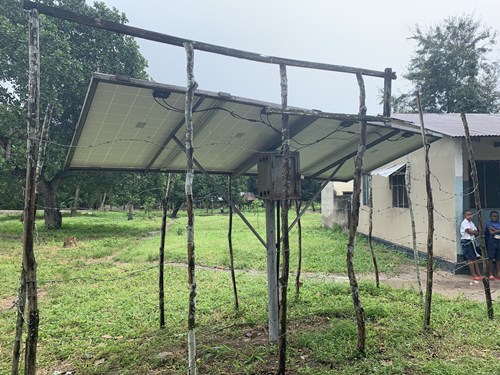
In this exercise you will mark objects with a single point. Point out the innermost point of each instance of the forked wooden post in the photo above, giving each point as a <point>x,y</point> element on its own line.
<point>191,87</point>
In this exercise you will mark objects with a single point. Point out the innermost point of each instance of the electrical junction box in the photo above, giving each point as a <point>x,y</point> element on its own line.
<point>270,176</point>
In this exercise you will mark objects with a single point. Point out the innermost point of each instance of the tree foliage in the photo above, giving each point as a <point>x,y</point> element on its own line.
<point>69,54</point>
<point>452,70</point>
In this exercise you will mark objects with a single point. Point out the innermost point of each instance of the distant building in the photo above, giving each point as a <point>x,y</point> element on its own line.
<point>450,181</point>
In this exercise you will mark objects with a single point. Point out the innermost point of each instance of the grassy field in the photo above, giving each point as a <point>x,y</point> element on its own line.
<point>99,313</point>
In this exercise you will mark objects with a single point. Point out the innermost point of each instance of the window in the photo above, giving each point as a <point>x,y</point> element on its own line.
<point>488,175</point>
<point>366,185</point>
<point>397,184</point>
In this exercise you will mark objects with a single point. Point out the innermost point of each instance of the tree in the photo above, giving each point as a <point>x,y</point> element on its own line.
<point>451,69</point>
<point>70,53</point>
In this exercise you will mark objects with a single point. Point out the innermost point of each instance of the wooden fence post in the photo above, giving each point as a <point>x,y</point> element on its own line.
<point>484,255</point>
<point>285,253</point>
<point>430,222</point>
<point>191,87</point>
<point>29,262</point>
<point>353,225</point>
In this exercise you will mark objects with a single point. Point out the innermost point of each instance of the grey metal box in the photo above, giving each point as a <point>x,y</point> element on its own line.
<point>270,180</point>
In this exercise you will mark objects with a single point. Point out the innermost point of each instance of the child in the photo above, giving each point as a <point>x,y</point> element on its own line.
<point>493,245</point>
<point>468,233</point>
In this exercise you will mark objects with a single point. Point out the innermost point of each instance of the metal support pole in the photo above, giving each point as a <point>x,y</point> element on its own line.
<point>272,274</point>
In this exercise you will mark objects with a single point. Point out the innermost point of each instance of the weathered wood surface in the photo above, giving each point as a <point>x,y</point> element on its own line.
<point>285,241</point>
<point>176,41</point>
<point>327,115</point>
<point>21,305</point>
<point>477,200</point>
<point>430,223</point>
<point>413,230</point>
<point>191,87</point>
<point>353,225</point>
<point>299,249</point>
<point>370,232</point>
<point>161,263</point>
<point>230,244</point>
<point>29,262</point>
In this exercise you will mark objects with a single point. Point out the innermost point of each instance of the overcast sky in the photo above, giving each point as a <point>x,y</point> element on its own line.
<point>371,34</point>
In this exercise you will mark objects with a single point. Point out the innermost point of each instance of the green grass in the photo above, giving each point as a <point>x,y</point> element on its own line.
<point>98,304</point>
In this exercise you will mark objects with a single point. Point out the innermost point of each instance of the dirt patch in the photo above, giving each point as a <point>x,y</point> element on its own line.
<point>9,303</point>
<point>444,283</point>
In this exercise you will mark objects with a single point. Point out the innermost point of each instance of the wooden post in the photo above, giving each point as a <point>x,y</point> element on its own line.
<point>285,252</point>
<point>430,223</point>
<point>388,76</point>
<point>353,225</point>
<point>413,231</point>
<point>370,232</point>
<point>299,249</point>
<point>230,243</point>
<point>191,87</point>
<point>161,287</point>
<point>21,304</point>
<point>272,272</point>
<point>29,262</point>
<point>43,138</point>
<point>484,255</point>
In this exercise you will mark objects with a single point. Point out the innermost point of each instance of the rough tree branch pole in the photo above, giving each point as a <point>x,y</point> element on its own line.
<point>413,231</point>
<point>484,255</point>
<point>358,162</point>
<point>191,87</point>
<point>161,287</point>
<point>29,262</point>
<point>430,223</point>
<point>285,254</point>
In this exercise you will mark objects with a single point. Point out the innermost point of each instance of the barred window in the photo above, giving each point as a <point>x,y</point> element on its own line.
<point>398,186</point>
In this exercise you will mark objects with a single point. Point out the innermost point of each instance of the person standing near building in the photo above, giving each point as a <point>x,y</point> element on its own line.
<point>468,233</point>
<point>493,245</point>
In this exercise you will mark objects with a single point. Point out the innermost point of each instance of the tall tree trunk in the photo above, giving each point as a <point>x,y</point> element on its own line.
<point>430,223</point>
<point>75,202</point>
<point>299,254</point>
<point>130,215</point>
<point>101,208</point>
<point>52,214</point>
<point>161,295</point>
<point>353,224</point>
<point>285,253</point>
<point>230,243</point>
<point>370,232</point>
<point>477,199</point>
<point>191,87</point>
<point>175,210</point>
<point>29,262</point>
<point>413,231</point>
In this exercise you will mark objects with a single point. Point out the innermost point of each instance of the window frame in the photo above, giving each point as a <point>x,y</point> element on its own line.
<point>397,184</point>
